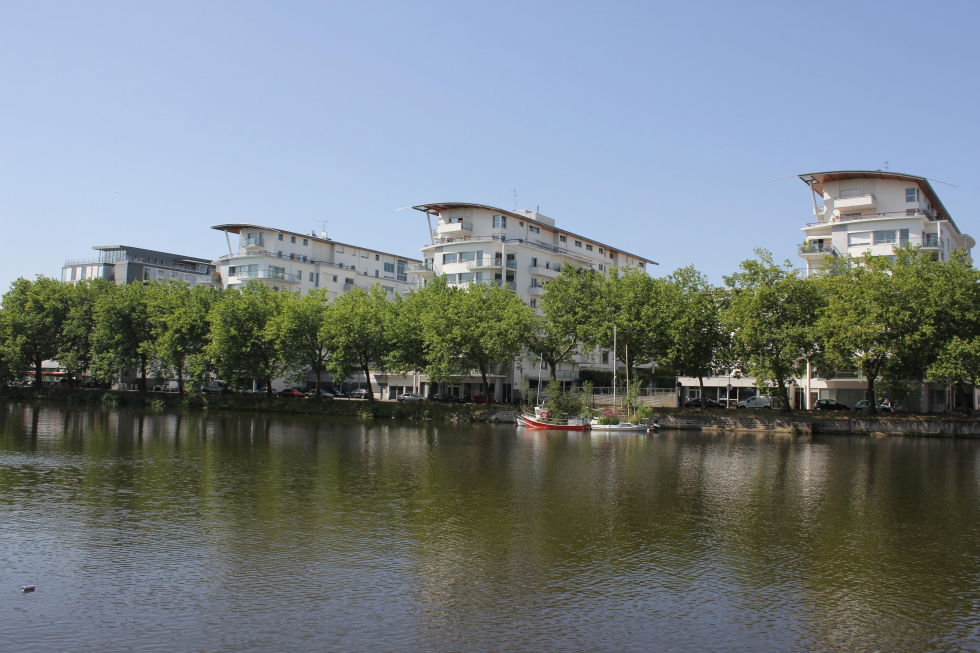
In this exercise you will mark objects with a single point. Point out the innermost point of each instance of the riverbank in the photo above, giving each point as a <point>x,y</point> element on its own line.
<point>360,408</point>
<point>796,422</point>
<point>803,422</point>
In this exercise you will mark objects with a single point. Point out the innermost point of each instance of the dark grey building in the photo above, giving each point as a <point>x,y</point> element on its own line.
<point>124,264</point>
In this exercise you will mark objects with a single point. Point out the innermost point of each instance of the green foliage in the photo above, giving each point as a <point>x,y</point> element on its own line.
<point>696,338</point>
<point>245,336</point>
<point>123,337</point>
<point>477,328</point>
<point>299,326</point>
<point>770,315</point>
<point>178,318</point>
<point>357,330</point>
<point>33,321</point>
<point>890,319</point>
<point>567,403</point>
<point>75,351</point>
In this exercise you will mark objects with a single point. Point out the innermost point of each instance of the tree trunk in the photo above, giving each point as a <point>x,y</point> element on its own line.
<point>486,383</point>
<point>180,378</point>
<point>37,373</point>
<point>553,366</point>
<point>701,386</point>
<point>367,376</point>
<point>268,388</point>
<point>142,374</point>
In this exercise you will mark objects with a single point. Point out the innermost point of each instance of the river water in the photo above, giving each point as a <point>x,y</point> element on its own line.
<point>203,532</point>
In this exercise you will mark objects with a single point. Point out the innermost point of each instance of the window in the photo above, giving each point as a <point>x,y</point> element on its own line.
<point>311,276</point>
<point>335,278</point>
<point>602,268</point>
<point>601,252</point>
<point>884,237</point>
<point>533,230</point>
<point>588,247</point>
<point>562,239</point>
<point>534,262</point>
<point>859,239</point>
<point>305,242</point>
<point>499,222</point>
<point>578,243</point>
<point>534,302</point>
<point>280,236</point>
<point>389,267</point>
<point>911,194</point>
<point>377,257</point>
<point>911,211</point>
<point>340,250</point>
<point>292,239</point>
<point>450,257</point>
<point>611,255</point>
<point>605,358</point>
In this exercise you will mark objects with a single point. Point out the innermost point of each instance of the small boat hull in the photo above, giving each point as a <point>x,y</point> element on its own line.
<point>622,426</point>
<point>532,422</point>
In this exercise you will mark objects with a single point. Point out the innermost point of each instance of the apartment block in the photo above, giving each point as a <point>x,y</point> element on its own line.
<point>288,260</point>
<point>124,264</point>
<point>874,212</point>
<point>519,250</point>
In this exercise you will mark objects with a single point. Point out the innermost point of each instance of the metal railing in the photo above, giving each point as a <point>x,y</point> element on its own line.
<point>811,247</point>
<point>274,275</point>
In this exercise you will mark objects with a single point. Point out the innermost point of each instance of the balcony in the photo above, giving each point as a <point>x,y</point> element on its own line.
<point>855,202</point>
<point>536,291</point>
<point>421,269</point>
<point>455,229</point>
<point>547,272</point>
<point>271,275</point>
<point>817,249</point>
<point>930,241</point>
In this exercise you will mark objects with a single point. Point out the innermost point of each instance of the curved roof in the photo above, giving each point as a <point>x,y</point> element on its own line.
<point>816,181</point>
<point>440,206</point>
<point>237,227</point>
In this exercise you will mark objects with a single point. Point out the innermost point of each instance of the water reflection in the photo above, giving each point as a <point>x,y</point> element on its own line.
<point>245,532</point>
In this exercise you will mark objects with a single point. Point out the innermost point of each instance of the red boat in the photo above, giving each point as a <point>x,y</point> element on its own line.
<point>543,420</point>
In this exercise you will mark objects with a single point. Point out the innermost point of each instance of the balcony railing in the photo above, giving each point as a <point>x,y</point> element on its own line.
<point>826,249</point>
<point>272,275</point>
<point>288,257</point>
<point>252,241</point>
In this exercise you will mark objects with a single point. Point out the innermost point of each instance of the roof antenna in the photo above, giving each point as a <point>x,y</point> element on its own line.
<point>886,166</point>
<point>323,230</point>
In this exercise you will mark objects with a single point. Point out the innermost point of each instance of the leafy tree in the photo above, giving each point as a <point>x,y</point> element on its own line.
<point>544,339</point>
<point>301,338</point>
<point>179,325</point>
<point>696,337</point>
<point>75,352</point>
<point>357,330</point>
<point>958,364</point>
<point>122,339</point>
<point>771,312</point>
<point>634,303</point>
<point>891,318</point>
<point>571,302</point>
<point>34,315</point>
<point>476,328</point>
<point>244,334</point>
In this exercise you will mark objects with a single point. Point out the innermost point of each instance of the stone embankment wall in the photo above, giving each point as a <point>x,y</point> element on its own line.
<point>920,425</point>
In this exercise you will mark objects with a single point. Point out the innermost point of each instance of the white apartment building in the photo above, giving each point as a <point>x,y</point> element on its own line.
<point>864,211</point>
<point>859,212</point>
<point>519,250</point>
<point>288,260</point>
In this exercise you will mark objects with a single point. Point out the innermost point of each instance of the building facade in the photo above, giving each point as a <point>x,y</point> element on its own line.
<point>862,212</point>
<point>519,250</point>
<point>858,212</point>
<point>287,260</point>
<point>124,264</point>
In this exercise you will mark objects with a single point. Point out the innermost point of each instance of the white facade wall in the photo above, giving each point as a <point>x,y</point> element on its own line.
<point>290,261</point>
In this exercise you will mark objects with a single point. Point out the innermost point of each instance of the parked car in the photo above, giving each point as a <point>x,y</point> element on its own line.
<point>360,393</point>
<point>290,392</point>
<point>697,402</point>
<point>409,396</point>
<point>213,388</point>
<point>321,393</point>
<point>758,401</point>
<point>446,398</point>
<point>484,399</point>
<point>864,404</point>
<point>830,404</point>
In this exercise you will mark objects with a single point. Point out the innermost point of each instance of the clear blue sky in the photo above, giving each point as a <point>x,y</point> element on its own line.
<point>672,130</point>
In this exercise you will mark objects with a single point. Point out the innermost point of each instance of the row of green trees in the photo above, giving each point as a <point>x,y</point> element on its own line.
<point>895,319</point>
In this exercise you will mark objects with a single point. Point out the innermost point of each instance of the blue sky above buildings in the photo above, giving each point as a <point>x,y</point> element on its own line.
<point>672,130</point>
